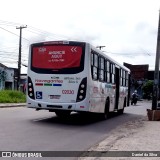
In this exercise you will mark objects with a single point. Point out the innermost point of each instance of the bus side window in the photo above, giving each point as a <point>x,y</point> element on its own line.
<point>112,73</point>
<point>94,65</point>
<point>123,78</point>
<point>92,57</point>
<point>126,79</point>
<point>101,68</point>
<point>105,70</point>
<point>108,71</point>
<point>121,75</point>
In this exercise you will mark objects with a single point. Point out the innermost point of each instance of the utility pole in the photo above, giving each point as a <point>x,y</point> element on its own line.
<point>156,72</point>
<point>100,47</point>
<point>19,57</point>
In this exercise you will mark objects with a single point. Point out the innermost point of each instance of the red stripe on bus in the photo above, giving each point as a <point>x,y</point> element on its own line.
<point>39,84</point>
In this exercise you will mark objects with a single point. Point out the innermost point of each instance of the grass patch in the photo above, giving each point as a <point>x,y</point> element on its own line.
<point>9,96</point>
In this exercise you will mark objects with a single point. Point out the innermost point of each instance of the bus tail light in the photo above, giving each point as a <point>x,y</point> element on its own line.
<point>30,89</point>
<point>82,90</point>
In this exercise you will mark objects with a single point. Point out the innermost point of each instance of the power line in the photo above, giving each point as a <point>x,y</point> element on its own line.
<point>7,47</point>
<point>5,61</point>
<point>45,33</point>
<point>127,54</point>
<point>7,52</point>
<point>9,31</point>
<point>7,23</point>
<point>13,33</point>
<point>8,57</point>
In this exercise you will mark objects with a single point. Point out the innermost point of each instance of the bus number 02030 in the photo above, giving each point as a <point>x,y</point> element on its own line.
<point>67,91</point>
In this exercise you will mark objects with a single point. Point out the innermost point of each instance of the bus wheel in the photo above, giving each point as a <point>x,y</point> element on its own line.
<point>106,110</point>
<point>62,114</point>
<point>121,111</point>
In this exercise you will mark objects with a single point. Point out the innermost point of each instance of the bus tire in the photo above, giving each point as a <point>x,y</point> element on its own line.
<point>62,113</point>
<point>121,111</point>
<point>105,115</point>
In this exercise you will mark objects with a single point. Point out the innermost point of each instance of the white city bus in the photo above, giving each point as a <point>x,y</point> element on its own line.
<point>66,76</point>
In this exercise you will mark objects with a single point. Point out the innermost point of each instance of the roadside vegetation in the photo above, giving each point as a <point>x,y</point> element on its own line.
<point>147,90</point>
<point>12,96</point>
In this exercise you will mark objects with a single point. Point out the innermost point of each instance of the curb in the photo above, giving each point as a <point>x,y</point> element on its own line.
<point>12,105</point>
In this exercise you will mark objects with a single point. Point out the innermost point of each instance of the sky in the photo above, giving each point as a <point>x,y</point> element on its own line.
<point>127,28</point>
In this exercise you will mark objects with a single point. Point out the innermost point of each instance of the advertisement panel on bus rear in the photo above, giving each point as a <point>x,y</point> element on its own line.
<point>56,57</point>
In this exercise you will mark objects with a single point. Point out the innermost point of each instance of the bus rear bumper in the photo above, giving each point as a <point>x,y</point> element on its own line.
<point>57,106</point>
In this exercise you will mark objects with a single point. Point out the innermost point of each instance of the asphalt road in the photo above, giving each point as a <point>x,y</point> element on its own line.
<point>24,129</point>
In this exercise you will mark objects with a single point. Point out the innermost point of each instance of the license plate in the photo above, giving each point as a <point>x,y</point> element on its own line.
<point>54,96</point>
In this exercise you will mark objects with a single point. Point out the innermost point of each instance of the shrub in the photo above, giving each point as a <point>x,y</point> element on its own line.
<point>12,96</point>
<point>147,89</point>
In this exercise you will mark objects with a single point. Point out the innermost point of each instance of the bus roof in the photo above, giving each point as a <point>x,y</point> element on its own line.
<point>109,58</point>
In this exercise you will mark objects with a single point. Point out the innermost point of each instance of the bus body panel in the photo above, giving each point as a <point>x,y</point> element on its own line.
<point>101,91</point>
<point>57,89</point>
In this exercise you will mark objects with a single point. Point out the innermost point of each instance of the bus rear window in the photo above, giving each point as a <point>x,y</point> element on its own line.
<point>57,58</point>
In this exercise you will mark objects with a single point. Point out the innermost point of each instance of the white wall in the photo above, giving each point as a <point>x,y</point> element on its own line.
<point>9,77</point>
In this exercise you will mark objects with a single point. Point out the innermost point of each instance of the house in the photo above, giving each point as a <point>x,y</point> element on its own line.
<point>139,74</point>
<point>7,77</point>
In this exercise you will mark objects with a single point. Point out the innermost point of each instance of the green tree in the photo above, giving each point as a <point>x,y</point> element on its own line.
<point>147,89</point>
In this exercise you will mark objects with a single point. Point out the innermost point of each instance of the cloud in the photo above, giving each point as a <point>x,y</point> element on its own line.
<point>122,26</point>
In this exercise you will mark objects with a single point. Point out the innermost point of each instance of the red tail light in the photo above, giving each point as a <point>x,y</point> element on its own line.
<point>30,89</point>
<point>81,95</point>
